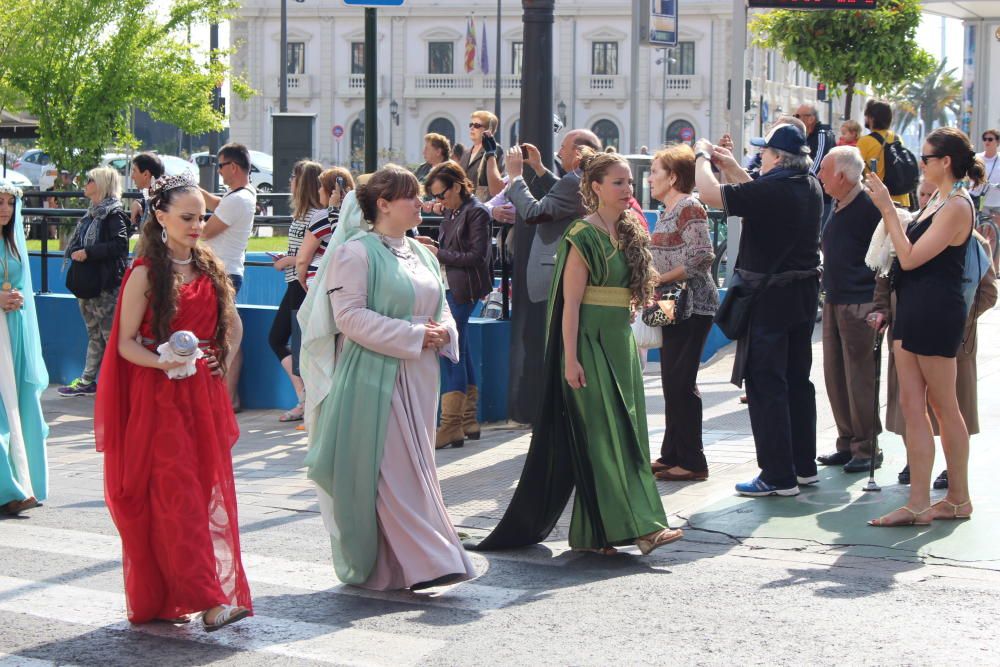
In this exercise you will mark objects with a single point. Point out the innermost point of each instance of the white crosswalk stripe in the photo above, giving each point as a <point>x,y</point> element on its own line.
<point>8,660</point>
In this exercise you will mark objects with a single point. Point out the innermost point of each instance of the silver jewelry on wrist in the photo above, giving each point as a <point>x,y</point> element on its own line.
<point>703,154</point>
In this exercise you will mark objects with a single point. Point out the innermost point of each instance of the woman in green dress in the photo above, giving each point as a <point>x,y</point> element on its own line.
<point>592,434</point>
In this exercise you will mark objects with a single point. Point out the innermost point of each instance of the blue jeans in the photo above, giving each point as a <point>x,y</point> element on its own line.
<point>237,281</point>
<point>456,377</point>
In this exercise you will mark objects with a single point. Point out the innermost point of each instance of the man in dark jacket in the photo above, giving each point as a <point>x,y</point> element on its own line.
<point>820,139</point>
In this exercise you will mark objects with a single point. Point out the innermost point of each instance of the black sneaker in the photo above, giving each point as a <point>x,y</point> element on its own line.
<point>904,475</point>
<point>942,480</point>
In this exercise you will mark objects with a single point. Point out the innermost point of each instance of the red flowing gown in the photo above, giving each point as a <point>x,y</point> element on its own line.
<point>168,473</point>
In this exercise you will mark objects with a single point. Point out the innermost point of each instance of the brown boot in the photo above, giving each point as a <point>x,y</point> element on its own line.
<point>469,422</point>
<point>450,432</point>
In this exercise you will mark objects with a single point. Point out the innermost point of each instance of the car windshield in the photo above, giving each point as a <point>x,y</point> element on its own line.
<point>262,161</point>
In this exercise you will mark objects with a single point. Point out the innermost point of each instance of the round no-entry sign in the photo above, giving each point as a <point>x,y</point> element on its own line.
<point>686,133</point>
<point>338,131</point>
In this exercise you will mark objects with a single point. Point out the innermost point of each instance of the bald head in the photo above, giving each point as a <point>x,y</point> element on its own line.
<point>569,154</point>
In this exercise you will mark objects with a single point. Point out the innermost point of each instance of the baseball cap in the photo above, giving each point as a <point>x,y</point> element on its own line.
<point>786,138</point>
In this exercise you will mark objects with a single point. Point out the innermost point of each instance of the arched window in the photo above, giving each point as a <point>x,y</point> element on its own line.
<point>443,126</point>
<point>607,132</point>
<point>680,132</point>
<point>358,145</point>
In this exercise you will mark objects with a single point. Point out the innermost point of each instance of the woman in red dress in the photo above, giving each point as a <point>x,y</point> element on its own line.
<point>168,473</point>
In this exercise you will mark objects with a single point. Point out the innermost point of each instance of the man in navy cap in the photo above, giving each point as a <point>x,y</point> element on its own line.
<point>779,259</point>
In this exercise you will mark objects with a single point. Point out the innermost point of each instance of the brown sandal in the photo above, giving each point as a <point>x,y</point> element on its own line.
<point>648,543</point>
<point>881,522</point>
<point>604,551</point>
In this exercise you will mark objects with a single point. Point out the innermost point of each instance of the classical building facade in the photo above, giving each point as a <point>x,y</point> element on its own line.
<point>424,86</point>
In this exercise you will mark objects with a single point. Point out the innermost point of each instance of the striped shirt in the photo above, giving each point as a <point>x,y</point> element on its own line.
<point>322,224</point>
<point>296,233</point>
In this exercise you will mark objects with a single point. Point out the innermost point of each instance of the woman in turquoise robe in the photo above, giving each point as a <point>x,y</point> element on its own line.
<point>591,434</point>
<point>23,377</point>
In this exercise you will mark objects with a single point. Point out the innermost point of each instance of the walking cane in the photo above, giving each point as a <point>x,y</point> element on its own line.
<point>877,349</point>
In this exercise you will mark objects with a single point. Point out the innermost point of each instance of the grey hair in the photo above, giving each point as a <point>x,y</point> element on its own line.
<point>107,180</point>
<point>792,161</point>
<point>847,161</point>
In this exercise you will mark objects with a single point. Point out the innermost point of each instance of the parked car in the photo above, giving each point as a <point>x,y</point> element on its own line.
<point>32,163</point>
<point>261,168</point>
<point>18,179</point>
<point>172,165</point>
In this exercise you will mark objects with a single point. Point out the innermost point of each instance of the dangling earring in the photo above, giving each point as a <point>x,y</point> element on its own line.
<point>163,235</point>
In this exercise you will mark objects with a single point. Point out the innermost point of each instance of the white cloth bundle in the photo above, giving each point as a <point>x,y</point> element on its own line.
<point>880,251</point>
<point>189,368</point>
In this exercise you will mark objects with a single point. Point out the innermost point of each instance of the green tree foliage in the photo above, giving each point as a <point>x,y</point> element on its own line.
<point>847,48</point>
<point>81,66</point>
<point>929,99</point>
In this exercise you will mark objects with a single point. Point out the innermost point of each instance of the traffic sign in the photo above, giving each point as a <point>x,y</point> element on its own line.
<point>686,134</point>
<point>662,29</point>
<point>338,132</point>
<point>373,3</point>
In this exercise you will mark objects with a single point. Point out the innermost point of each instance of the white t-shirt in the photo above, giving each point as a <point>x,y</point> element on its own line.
<point>236,210</point>
<point>991,195</point>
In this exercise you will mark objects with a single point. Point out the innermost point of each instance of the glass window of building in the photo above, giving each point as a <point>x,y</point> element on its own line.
<point>441,58</point>
<point>357,57</point>
<point>607,132</point>
<point>296,58</point>
<point>358,145</point>
<point>681,59</point>
<point>605,58</point>
<point>516,57</point>
<point>444,127</point>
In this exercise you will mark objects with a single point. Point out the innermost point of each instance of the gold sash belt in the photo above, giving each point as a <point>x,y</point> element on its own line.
<point>619,297</point>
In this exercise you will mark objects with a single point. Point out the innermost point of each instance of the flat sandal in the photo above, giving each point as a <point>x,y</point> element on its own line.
<point>912,521</point>
<point>955,516</point>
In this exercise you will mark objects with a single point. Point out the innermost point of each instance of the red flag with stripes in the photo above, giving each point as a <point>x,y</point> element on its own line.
<point>470,46</point>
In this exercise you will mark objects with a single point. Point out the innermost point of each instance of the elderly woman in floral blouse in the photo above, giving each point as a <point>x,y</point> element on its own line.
<point>682,250</point>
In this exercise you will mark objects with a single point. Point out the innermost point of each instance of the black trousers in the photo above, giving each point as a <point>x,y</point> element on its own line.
<point>281,328</point>
<point>680,358</point>
<point>782,401</point>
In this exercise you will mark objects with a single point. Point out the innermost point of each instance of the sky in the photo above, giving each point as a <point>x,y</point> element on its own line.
<point>948,43</point>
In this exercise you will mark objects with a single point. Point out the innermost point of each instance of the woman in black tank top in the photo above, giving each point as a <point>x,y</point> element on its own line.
<point>930,320</point>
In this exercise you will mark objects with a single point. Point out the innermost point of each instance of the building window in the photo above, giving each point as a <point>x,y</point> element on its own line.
<point>443,126</point>
<point>607,132</point>
<point>796,75</point>
<point>682,59</point>
<point>441,58</point>
<point>357,57</point>
<point>605,58</point>
<point>515,133</point>
<point>296,58</point>
<point>516,57</point>
<point>358,145</point>
<point>680,132</point>
<point>770,65</point>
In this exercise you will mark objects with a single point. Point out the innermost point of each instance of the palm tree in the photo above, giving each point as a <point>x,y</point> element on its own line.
<point>929,100</point>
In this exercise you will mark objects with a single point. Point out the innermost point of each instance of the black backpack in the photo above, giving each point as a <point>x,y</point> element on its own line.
<point>902,175</point>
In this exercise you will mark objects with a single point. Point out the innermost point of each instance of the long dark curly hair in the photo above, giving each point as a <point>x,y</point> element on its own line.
<point>633,234</point>
<point>165,284</point>
<point>7,232</point>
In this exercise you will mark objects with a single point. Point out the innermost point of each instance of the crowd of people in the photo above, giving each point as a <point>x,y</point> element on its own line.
<point>372,333</point>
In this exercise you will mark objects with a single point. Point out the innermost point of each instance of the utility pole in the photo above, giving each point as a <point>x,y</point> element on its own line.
<point>497,70</point>
<point>283,73</point>
<point>371,90</point>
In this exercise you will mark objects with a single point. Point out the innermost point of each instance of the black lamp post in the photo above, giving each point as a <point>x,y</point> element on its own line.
<point>394,111</point>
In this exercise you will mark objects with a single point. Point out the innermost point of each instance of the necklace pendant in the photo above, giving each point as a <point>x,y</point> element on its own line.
<point>6,286</point>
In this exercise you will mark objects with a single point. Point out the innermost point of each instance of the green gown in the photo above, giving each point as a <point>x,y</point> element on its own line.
<point>593,439</point>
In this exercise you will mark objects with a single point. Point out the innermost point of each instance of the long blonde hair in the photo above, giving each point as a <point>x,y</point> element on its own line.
<point>633,234</point>
<point>306,195</point>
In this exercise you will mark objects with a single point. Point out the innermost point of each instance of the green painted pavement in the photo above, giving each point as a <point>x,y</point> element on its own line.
<point>835,513</point>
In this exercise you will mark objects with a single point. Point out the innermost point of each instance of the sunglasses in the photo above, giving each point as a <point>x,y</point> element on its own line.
<point>803,115</point>
<point>440,195</point>
<point>926,158</point>
<point>477,126</point>
<point>989,139</point>
<point>223,164</point>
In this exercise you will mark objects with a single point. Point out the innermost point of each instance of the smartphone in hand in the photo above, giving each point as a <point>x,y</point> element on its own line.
<point>274,255</point>
<point>873,165</point>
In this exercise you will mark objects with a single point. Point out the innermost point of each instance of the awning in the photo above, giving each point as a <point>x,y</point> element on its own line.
<point>17,126</point>
<point>972,10</point>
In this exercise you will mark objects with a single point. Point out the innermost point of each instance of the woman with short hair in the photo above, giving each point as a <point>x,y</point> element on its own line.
<point>306,210</point>
<point>463,248</point>
<point>96,258</point>
<point>682,250</point>
<point>372,341</point>
<point>23,376</point>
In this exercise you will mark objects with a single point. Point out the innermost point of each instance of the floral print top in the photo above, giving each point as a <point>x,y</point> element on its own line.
<point>681,238</point>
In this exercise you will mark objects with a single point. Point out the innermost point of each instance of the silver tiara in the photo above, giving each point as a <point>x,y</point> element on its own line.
<point>8,188</point>
<point>164,183</point>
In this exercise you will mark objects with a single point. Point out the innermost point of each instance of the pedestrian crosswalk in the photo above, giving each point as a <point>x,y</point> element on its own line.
<point>64,600</point>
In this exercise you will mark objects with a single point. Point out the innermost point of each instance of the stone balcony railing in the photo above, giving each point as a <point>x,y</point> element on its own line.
<point>299,85</point>
<point>353,85</point>
<point>678,87</point>
<point>602,87</point>
<point>424,86</point>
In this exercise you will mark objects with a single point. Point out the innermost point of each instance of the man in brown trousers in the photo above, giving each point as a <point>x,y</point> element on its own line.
<point>848,361</point>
